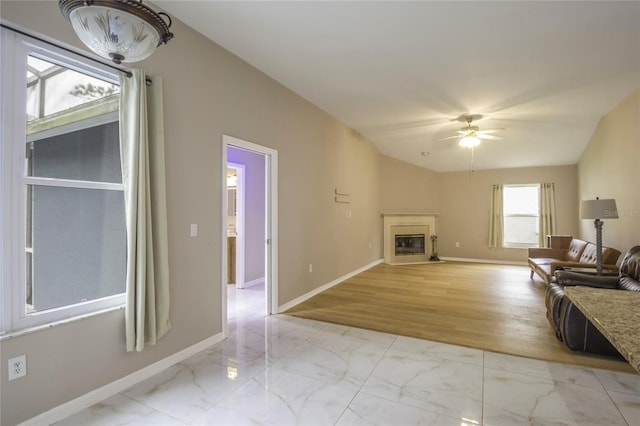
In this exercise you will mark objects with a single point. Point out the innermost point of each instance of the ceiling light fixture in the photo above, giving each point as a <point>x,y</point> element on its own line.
<point>119,30</point>
<point>470,136</point>
<point>469,141</point>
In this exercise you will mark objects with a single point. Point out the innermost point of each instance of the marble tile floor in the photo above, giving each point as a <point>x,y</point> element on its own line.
<point>281,370</point>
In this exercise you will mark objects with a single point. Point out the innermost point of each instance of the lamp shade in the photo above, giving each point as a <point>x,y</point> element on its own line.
<point>120,30</point>
<point>598,209</point>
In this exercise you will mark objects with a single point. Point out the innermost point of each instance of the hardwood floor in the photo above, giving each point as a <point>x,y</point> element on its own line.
<point>486,306</point>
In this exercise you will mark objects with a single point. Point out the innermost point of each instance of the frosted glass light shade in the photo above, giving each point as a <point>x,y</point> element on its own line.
<point>120,30</point>
<point>469,141</point>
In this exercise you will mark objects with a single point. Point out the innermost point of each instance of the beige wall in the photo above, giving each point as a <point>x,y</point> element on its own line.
<point>208,92</point>
<point>461,200</point>
<point>608,168</point>
<point>407,188</point>
<point>465,206</point>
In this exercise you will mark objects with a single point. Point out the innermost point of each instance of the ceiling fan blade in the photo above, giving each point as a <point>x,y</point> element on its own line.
<point>448,138</point>
<point>480,132</point>
<point>490,137</point>
<point>462,134</point>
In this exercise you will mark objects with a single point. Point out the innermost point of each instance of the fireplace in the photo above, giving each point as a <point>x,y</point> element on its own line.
<point>406,237</point>
<point>408,245</point>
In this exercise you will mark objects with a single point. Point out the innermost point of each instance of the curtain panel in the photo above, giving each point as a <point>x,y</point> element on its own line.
<point>547,222</point>
<point>496,222</point>
<point>143,177</point>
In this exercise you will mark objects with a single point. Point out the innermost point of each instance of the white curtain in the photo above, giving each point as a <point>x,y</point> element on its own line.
<point>496,222</point>
<point>143,176</point>
<point>547,213</point>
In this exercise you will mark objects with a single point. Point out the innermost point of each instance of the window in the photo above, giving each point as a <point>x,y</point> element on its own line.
<point>65,236</point>
<point>520,212</point>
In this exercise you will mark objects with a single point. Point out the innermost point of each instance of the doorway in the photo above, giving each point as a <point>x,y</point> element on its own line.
<point>235,222</point>
<point>252,225</point>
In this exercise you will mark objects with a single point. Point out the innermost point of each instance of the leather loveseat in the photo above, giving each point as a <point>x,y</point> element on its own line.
<point>569,323</point>
<point>564,251</point>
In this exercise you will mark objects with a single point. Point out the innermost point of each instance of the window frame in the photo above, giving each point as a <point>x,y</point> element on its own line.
<point>13,198</point>
<point>537,216</point>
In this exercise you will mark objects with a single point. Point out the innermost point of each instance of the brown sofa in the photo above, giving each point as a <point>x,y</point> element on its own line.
<point>569,323</point>
<point>563,252</point>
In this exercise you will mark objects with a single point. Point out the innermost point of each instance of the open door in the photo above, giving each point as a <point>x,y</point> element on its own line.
<point>270,226</point>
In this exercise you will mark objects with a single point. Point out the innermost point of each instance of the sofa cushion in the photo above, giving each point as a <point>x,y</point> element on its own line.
<point>589,254</point>
<point>575,250</point>
<point>542,261</point>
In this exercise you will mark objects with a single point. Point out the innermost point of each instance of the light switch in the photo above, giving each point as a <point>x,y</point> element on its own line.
<point>194,229</point>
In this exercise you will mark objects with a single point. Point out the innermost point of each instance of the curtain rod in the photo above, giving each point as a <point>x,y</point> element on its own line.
<point>66,49</point>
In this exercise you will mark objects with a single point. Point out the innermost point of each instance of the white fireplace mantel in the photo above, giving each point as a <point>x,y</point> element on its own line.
<point>398,223</point>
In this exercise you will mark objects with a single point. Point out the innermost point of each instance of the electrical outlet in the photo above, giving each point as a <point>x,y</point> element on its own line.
<point>457,244</point>
<point>310,267</point>
<point>17,367</point>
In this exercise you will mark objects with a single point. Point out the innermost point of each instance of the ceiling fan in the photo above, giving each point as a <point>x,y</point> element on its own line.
<point>470,136</point>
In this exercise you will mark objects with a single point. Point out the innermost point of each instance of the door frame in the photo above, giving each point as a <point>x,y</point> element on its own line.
<point>271,223</point>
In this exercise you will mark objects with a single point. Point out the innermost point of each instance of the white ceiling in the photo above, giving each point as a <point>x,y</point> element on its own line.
<point>400,73</point>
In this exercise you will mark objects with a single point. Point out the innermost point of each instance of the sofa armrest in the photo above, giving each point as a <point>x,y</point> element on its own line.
<point>579,334</point>
<point>551,253</point>
<point>560,264</point>
<point>566,278</point>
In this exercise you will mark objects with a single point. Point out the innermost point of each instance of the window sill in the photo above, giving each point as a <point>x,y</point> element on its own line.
<point>19,333</point>
<point>521,247</point>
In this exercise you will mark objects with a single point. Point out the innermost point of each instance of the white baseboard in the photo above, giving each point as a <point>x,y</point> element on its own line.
<point>499,262</point>
<point>87,400</point>
<point>298,300</point>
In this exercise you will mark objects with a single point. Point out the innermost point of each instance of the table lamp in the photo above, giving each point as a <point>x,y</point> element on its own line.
<point>598,209</point>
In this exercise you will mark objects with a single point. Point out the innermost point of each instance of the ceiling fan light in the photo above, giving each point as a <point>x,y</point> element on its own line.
<point>469,141</point>
<point>119,30</point>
